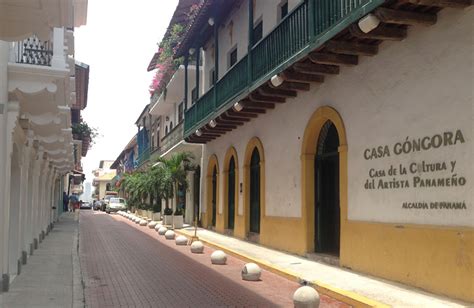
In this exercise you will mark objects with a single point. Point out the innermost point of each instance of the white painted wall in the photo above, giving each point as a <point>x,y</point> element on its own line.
<point>418,87</point>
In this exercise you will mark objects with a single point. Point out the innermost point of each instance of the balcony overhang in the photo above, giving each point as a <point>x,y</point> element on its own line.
<point>21,19</point>
<point>80,12</point>
<point>174,91</point>
<point>183,146</point>
<point>30,79</point>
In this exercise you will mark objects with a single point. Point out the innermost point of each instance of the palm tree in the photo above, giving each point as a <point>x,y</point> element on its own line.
<point>175,171</point>
<point>160,182</point>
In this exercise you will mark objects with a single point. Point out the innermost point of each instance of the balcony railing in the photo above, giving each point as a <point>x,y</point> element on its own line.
<point>173,137</point>
<point>308,26</point>
<point>34,51</point>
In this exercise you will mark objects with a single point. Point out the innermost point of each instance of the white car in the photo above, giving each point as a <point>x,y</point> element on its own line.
<point>115,205</point>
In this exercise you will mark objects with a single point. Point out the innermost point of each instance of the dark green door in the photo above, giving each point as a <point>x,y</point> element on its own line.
<point>197,189</point>
<point>231,195</point>
<point>214,196</point>
<point>327,212</point>
<point>255,192</point>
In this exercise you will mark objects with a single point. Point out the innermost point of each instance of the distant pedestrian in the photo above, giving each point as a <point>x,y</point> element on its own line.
<point>65,202</point>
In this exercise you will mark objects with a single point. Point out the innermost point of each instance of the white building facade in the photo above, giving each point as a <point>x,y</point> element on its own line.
<point>37,88</point>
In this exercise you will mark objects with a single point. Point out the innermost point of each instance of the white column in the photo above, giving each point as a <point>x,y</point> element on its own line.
<point>24,194</point>
<point>4,53</point>
<point>41,195</point>
<point>12,111</point>
<point>32,176</point>
<point>35,200</point>
<point>59,56</point>
<point>189,195</point>
<point>48,202</point>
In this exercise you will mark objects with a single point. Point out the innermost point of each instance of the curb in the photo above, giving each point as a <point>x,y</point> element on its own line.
<point>348,297</point>
<point>78,299</point>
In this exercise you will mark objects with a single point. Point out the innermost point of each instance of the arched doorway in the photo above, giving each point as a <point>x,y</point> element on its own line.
<point>326,178</point>
<point>231,194</point>
<point>255,192</point>
<point>214,196</point>
<point>324,135</point>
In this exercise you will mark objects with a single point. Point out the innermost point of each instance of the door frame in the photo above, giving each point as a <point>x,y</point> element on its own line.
<point>212,162</point>
<point>308,153</point>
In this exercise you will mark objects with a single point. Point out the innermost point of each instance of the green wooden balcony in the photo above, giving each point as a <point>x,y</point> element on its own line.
<point>144,156</point>
<point>305,28</point>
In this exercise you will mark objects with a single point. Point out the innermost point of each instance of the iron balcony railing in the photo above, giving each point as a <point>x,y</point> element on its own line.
<point>173,137</point>
<point>34,51</point>
<point>306,27</point>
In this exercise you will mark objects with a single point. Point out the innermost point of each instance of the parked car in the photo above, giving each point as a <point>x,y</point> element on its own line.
<point>86,205</point>
<point>97,205</point>
<point>115,205</point>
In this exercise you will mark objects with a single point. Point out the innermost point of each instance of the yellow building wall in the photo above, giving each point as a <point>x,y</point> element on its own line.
<point>435,259</point>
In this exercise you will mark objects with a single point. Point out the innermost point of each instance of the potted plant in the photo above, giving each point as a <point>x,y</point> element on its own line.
<point>156,209</point>
<point>168,216</point>
<point>178,218</point>
<point>82,131</point>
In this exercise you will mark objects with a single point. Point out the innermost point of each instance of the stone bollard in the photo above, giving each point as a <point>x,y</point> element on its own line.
<point>251,272</point>
<point>169,235</point>
<point>157,227</point>
<point>143,222</point>
<point>162,230</point>
<point>218,257</point>
<point>181,240</point>
<point>152,224</point>
<point>306,297</point>
<point>197,247</point>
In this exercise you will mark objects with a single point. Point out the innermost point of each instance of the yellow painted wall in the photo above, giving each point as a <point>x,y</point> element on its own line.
<point>436,259</point>
<point>282,233</point>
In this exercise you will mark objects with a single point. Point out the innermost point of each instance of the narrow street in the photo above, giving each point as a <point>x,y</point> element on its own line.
<point>127,265</point>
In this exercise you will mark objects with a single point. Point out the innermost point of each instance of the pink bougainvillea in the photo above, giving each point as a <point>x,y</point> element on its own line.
<point>166,65</point>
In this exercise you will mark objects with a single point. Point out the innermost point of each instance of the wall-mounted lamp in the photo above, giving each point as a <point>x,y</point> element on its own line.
<point>212,123</point>
<point>210,21</point>
<point>238,107</point>
<point>277,80</point>
<point>198,133</point>
<point>368,23</point>
<point>191,51</point>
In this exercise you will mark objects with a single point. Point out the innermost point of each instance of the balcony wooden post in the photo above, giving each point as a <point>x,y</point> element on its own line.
<point>311,19</point>
<point>250,43</point>
<point>198,52</point>
<point>216,59</point>
<point>186,82</point>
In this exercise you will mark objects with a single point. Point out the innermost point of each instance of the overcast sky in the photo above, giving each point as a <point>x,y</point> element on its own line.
<point>118,42</point>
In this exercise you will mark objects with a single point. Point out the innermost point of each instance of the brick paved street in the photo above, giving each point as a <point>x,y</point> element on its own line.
<point>125,265</point>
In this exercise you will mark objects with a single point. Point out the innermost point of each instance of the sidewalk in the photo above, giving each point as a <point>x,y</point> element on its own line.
<point>342,284</point>
<point>51,277</point>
